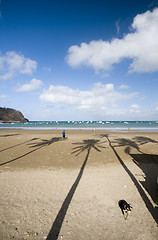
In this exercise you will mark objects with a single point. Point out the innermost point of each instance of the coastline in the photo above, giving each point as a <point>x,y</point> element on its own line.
<point>145,130</point>
<point>113,126</point>
<point>78,182</point>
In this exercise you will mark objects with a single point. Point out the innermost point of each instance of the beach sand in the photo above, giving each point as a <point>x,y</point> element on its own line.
<point>55,188</point>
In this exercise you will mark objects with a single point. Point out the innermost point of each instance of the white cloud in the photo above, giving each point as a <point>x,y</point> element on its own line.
<point>102,98</point>
<point>13,63</point>
<point>34,84</point>
<point>3,96</point>
<point>123,86</point>
<point>135,108</point>
<point>141,46</point>
<point>47,69</point>
<point>117,26</point>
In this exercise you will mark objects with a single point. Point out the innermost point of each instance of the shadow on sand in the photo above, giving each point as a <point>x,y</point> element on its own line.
<point>35,146</point>
<point>146,162</point>
<point>84,145</point>
<point>33,139</point>
<point>10,135</point>
<point>136,142</point>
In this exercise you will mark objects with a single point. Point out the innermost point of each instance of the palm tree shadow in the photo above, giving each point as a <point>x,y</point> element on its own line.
<point>85,145</point>
<point>126,142</point>
<point>36,147</point>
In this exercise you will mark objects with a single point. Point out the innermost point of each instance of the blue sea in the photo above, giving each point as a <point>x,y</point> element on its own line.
<point>145,126</point>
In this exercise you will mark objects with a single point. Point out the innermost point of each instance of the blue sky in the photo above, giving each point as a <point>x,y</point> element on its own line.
<point>79,59</point>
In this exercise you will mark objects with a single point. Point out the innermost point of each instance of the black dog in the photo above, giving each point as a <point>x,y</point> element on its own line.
<point>125,208</point>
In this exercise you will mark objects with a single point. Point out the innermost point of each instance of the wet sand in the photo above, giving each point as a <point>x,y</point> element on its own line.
<point>55,188</point>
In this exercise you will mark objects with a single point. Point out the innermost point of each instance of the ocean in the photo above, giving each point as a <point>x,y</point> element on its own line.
<point>145,126</point>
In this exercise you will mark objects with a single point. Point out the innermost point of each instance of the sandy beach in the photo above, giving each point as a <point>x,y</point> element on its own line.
<point>55,188</point>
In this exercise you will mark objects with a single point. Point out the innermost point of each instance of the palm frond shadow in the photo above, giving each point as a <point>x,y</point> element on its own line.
<point>136,142</point>
<point>19,144</point>
<point>143,140</point>
<point>121,142</point>
<point>87,144</point>
<point>36,147</point>
<point>45,142</point>
<point>57,224</point>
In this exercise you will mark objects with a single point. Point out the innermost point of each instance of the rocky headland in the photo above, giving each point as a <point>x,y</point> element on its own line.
<point>11,115</point>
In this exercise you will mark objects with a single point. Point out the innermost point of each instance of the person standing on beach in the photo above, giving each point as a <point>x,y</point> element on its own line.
<point>63,133</point>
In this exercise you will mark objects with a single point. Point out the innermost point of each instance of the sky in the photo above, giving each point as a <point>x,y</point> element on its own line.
<point>80,59</point>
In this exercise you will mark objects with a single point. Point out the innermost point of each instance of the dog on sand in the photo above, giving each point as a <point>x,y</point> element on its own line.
<point>125,208</point>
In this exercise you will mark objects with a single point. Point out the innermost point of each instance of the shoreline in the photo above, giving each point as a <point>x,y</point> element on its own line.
<point>147,130</point>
